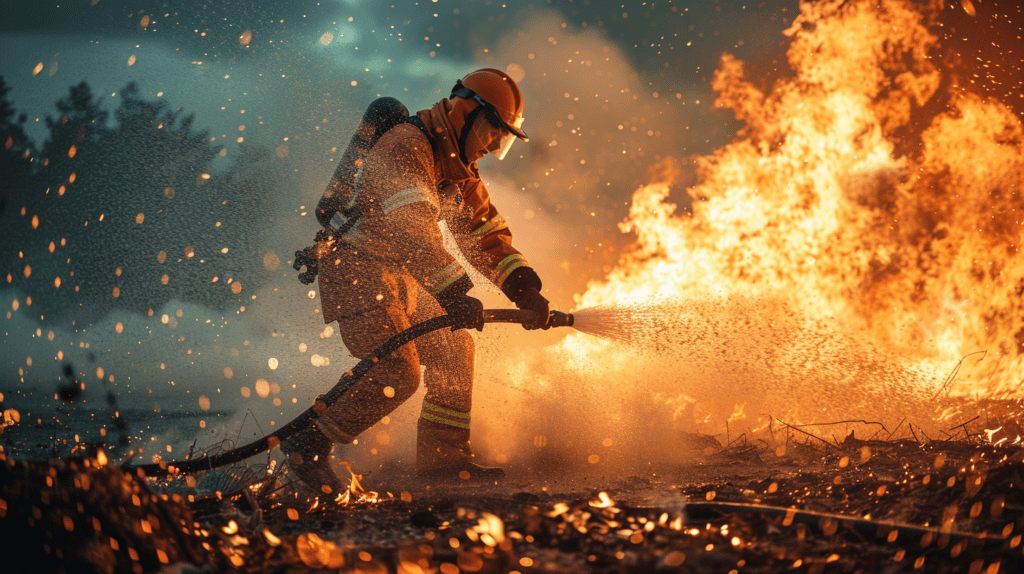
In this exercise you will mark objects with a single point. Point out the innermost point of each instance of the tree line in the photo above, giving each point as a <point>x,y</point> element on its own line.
<point>123,210</point>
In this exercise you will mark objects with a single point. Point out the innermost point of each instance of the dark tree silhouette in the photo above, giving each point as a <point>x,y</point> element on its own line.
<point>17,153</point>
<point>132,214</point>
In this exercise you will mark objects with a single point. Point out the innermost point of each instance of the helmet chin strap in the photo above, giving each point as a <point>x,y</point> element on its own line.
<point>466,129</point>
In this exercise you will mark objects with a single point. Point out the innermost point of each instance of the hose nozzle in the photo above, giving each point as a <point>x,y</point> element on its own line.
<point>560,319</point>
<point>557,318</point>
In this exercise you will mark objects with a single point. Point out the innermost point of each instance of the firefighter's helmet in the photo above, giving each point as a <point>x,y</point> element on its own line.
<point>500,100</point>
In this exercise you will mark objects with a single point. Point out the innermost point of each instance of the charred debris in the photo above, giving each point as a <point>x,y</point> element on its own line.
<point>804,504</point>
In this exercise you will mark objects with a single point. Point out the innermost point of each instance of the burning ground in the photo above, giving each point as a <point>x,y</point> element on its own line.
<point>852,506</point>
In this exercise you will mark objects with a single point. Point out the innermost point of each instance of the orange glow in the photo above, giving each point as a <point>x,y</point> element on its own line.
<point>355,493</point>
<point>72,151</point>
<point>318,553</point>
<point>839,258</point>
<point>813,205</point>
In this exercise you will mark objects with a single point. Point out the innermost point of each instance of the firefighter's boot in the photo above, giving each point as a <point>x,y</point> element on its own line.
<point>443,454</point>
<point>308,454</point>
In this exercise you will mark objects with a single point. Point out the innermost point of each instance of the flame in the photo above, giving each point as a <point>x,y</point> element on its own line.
<point>855,241</point>
<point>355,493</point>
<point>820,204</point>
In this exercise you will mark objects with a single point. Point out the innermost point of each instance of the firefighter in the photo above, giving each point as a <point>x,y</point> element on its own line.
<point>383,267</point>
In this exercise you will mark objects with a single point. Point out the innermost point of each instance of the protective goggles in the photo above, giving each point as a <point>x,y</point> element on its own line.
<point>507,139</point>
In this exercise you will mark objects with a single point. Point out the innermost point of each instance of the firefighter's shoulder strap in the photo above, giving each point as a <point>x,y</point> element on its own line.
<point>339,208</point>
<point>417,121</point>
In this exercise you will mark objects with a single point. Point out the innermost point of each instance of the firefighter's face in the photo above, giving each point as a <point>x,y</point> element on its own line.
<point>485,138</point>
<point>496,141</point>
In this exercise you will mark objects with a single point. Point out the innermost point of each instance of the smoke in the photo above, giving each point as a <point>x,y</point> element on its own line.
<point>857,238</point>
<point>594,126</point>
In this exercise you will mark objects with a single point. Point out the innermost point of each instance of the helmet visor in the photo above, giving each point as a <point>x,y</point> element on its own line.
<point>508,138</point>
<point>506,144</point>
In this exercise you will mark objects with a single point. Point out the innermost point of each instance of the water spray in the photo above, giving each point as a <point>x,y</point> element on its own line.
<point>322,402</point>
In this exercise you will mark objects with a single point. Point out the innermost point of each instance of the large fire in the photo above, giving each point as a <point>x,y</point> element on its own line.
<point>828,200</point>
<point>856,240</point>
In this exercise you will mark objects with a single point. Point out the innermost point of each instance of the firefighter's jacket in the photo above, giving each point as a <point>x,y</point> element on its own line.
<point>405,186</point>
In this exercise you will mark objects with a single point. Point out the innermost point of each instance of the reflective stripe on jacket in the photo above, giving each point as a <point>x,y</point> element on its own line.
<point>404,190</point>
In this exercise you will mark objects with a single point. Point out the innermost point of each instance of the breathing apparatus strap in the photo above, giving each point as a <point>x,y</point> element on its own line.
<point>468,127</point>
<point>460,91</point>
<point>354,211</point>
<point>384,120</point>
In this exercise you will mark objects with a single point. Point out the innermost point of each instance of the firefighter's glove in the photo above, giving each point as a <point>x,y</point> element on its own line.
<point>523,288</point>
<point>468,311</point>
<point>308,258</point>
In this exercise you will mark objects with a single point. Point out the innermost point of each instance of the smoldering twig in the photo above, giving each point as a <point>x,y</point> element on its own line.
<point>952,375</point>
<point>827,444</point>
<point>862,421</point>
<point>963,425</point>
<point>843,423</point>
<point>742,436</point>
<point>897,428</point>
<point>265,489</point>
<point>911,425</point>
<point>924,434</point>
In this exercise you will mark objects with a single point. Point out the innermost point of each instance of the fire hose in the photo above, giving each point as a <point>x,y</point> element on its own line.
<point>322,402</point>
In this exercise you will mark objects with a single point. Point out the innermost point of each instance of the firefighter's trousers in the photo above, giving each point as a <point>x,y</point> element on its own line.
<point>381,302</point>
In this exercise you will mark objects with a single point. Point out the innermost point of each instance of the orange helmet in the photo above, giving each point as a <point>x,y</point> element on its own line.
<point>500,100</point>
